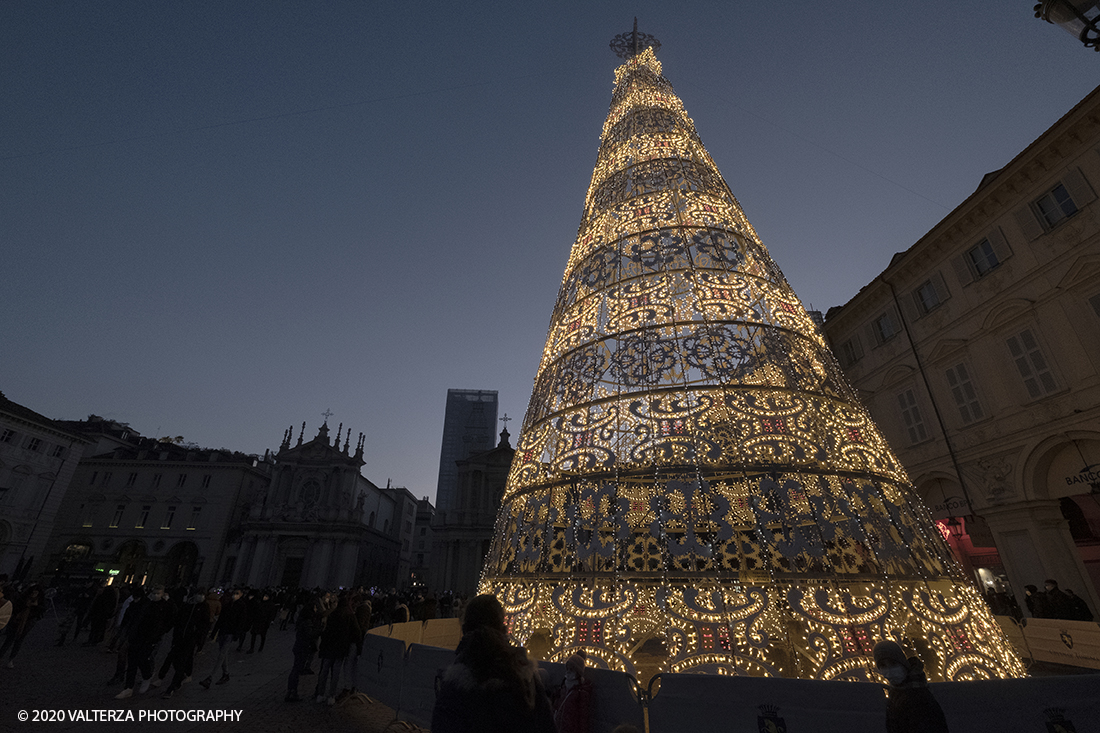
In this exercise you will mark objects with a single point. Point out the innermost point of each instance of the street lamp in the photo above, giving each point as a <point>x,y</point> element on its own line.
<point>1077,17</point>
<point>956,527</point>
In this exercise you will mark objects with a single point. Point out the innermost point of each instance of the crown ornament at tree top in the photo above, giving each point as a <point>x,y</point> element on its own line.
<point>696,486</point>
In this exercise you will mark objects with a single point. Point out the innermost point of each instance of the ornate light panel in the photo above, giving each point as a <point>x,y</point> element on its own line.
<point>697,487</point>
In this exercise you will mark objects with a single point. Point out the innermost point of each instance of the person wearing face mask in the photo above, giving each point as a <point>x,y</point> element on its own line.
<point>572,703</point>
<point>1057,601</point>
<point>153,615</point>
<point>910,707</point>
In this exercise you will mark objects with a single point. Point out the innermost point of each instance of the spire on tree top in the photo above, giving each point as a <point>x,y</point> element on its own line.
<point>629,45</point>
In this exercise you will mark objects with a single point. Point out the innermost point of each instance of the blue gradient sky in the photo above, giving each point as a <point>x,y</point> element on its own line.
<point>218,219</point>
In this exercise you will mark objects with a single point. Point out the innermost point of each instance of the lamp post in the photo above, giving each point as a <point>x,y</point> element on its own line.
<point>1077,17</point>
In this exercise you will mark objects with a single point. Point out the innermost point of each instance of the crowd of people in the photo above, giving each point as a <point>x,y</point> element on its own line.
<point>492,685</point>
<point>1054,602</point>
<point>155,633</point>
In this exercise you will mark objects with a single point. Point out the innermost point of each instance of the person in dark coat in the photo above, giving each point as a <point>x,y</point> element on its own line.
<point>1058,604</point>
<point>573,699</point>
<point>1078,609</point>
<point>153,617</point>
<point>341,632</point>
<point>306,633</point>
<point>492,687</point>
<point>261,617</point>
<point>191,627</point>
<point>27,608</point>
<point>102,610</point>
<point>231,626</point>
<point>910,707</point>
<point>1036,602</point>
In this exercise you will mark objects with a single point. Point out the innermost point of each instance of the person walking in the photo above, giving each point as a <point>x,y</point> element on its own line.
<point>230,627</point>
<point>492,687</point>
<point>5,609</point>
<point>27,609</point>
<point>153,616</point>
<point>341,631</point>
<point>191,626</point>
<point>306,633</point>
<point>262,616</point>
<point>103,607</point>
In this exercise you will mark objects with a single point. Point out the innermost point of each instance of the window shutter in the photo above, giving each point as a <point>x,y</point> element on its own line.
<point>898,325</point>
<point>872,335</point>
<point>962,270</point>
<point>1030,226</point>
<point>941,286</point>
<point>910,306</point>
<point>1078,187</point>
<point>999,244</point>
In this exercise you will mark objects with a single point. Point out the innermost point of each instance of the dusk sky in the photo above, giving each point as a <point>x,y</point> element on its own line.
<point>219,219</point>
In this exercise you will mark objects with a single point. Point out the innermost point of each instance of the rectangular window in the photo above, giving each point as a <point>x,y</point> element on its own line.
<point>156,480</point>
<point>95,475</point>
<point>910,414</point>
<point>181,480</point>
<point>131,479</point>
<point>33,444</point>
<point>962,390</point>
<point>927,296</point>
<point>118,516</point>
<point>171,515</point>
<point>58,451</point>
<point>885,327</point>
<point>1055,206</point>
<point>7,436</point>
<point>87,521</point>
<point>206,481</point>
<point>143,517</point>
<point>195,512</point>
<point>1031,364</point>
<point>982,258</point>
<point>106,478</point>
<point>420,559</point>
<point>1094,301</point>
<point>423,531</point>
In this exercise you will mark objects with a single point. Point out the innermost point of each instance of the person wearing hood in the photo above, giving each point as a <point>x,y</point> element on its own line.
<point>492,687</point>
<point>911,708</point>
<point>573,700</point>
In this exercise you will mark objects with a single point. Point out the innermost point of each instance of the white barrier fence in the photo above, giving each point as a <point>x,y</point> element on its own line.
<point>1076,643</point>
<point>401,672</point>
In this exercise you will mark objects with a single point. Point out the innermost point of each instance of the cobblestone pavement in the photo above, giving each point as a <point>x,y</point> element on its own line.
<point>73,678</point>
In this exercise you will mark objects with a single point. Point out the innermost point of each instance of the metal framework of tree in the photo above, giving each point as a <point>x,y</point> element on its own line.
<point>697,488</point>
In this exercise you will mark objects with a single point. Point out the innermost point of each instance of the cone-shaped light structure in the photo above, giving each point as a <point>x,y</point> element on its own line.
<point>696,486</point>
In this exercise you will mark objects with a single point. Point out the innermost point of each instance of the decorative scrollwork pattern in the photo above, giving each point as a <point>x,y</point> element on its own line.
<point>696,487</point>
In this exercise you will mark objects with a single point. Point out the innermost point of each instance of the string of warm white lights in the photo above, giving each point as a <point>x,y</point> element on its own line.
<point>696,487</point>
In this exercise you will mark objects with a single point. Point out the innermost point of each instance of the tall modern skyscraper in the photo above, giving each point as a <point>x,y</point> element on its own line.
<point>469,426</point>
<point>696,486</point>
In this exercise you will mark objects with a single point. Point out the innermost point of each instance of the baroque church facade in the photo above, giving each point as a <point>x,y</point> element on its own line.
<point>320,523</point>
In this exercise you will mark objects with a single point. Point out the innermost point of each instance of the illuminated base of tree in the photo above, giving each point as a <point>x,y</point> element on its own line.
<point>808,629</point>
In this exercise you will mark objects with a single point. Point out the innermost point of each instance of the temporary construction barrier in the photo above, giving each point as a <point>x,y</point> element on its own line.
<point>1055,704</point>
<point>1064,642</point>
<point>763,705</point>
<point>440,632</point>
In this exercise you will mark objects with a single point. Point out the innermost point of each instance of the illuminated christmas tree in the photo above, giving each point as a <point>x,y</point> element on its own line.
<point>697,488</point>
